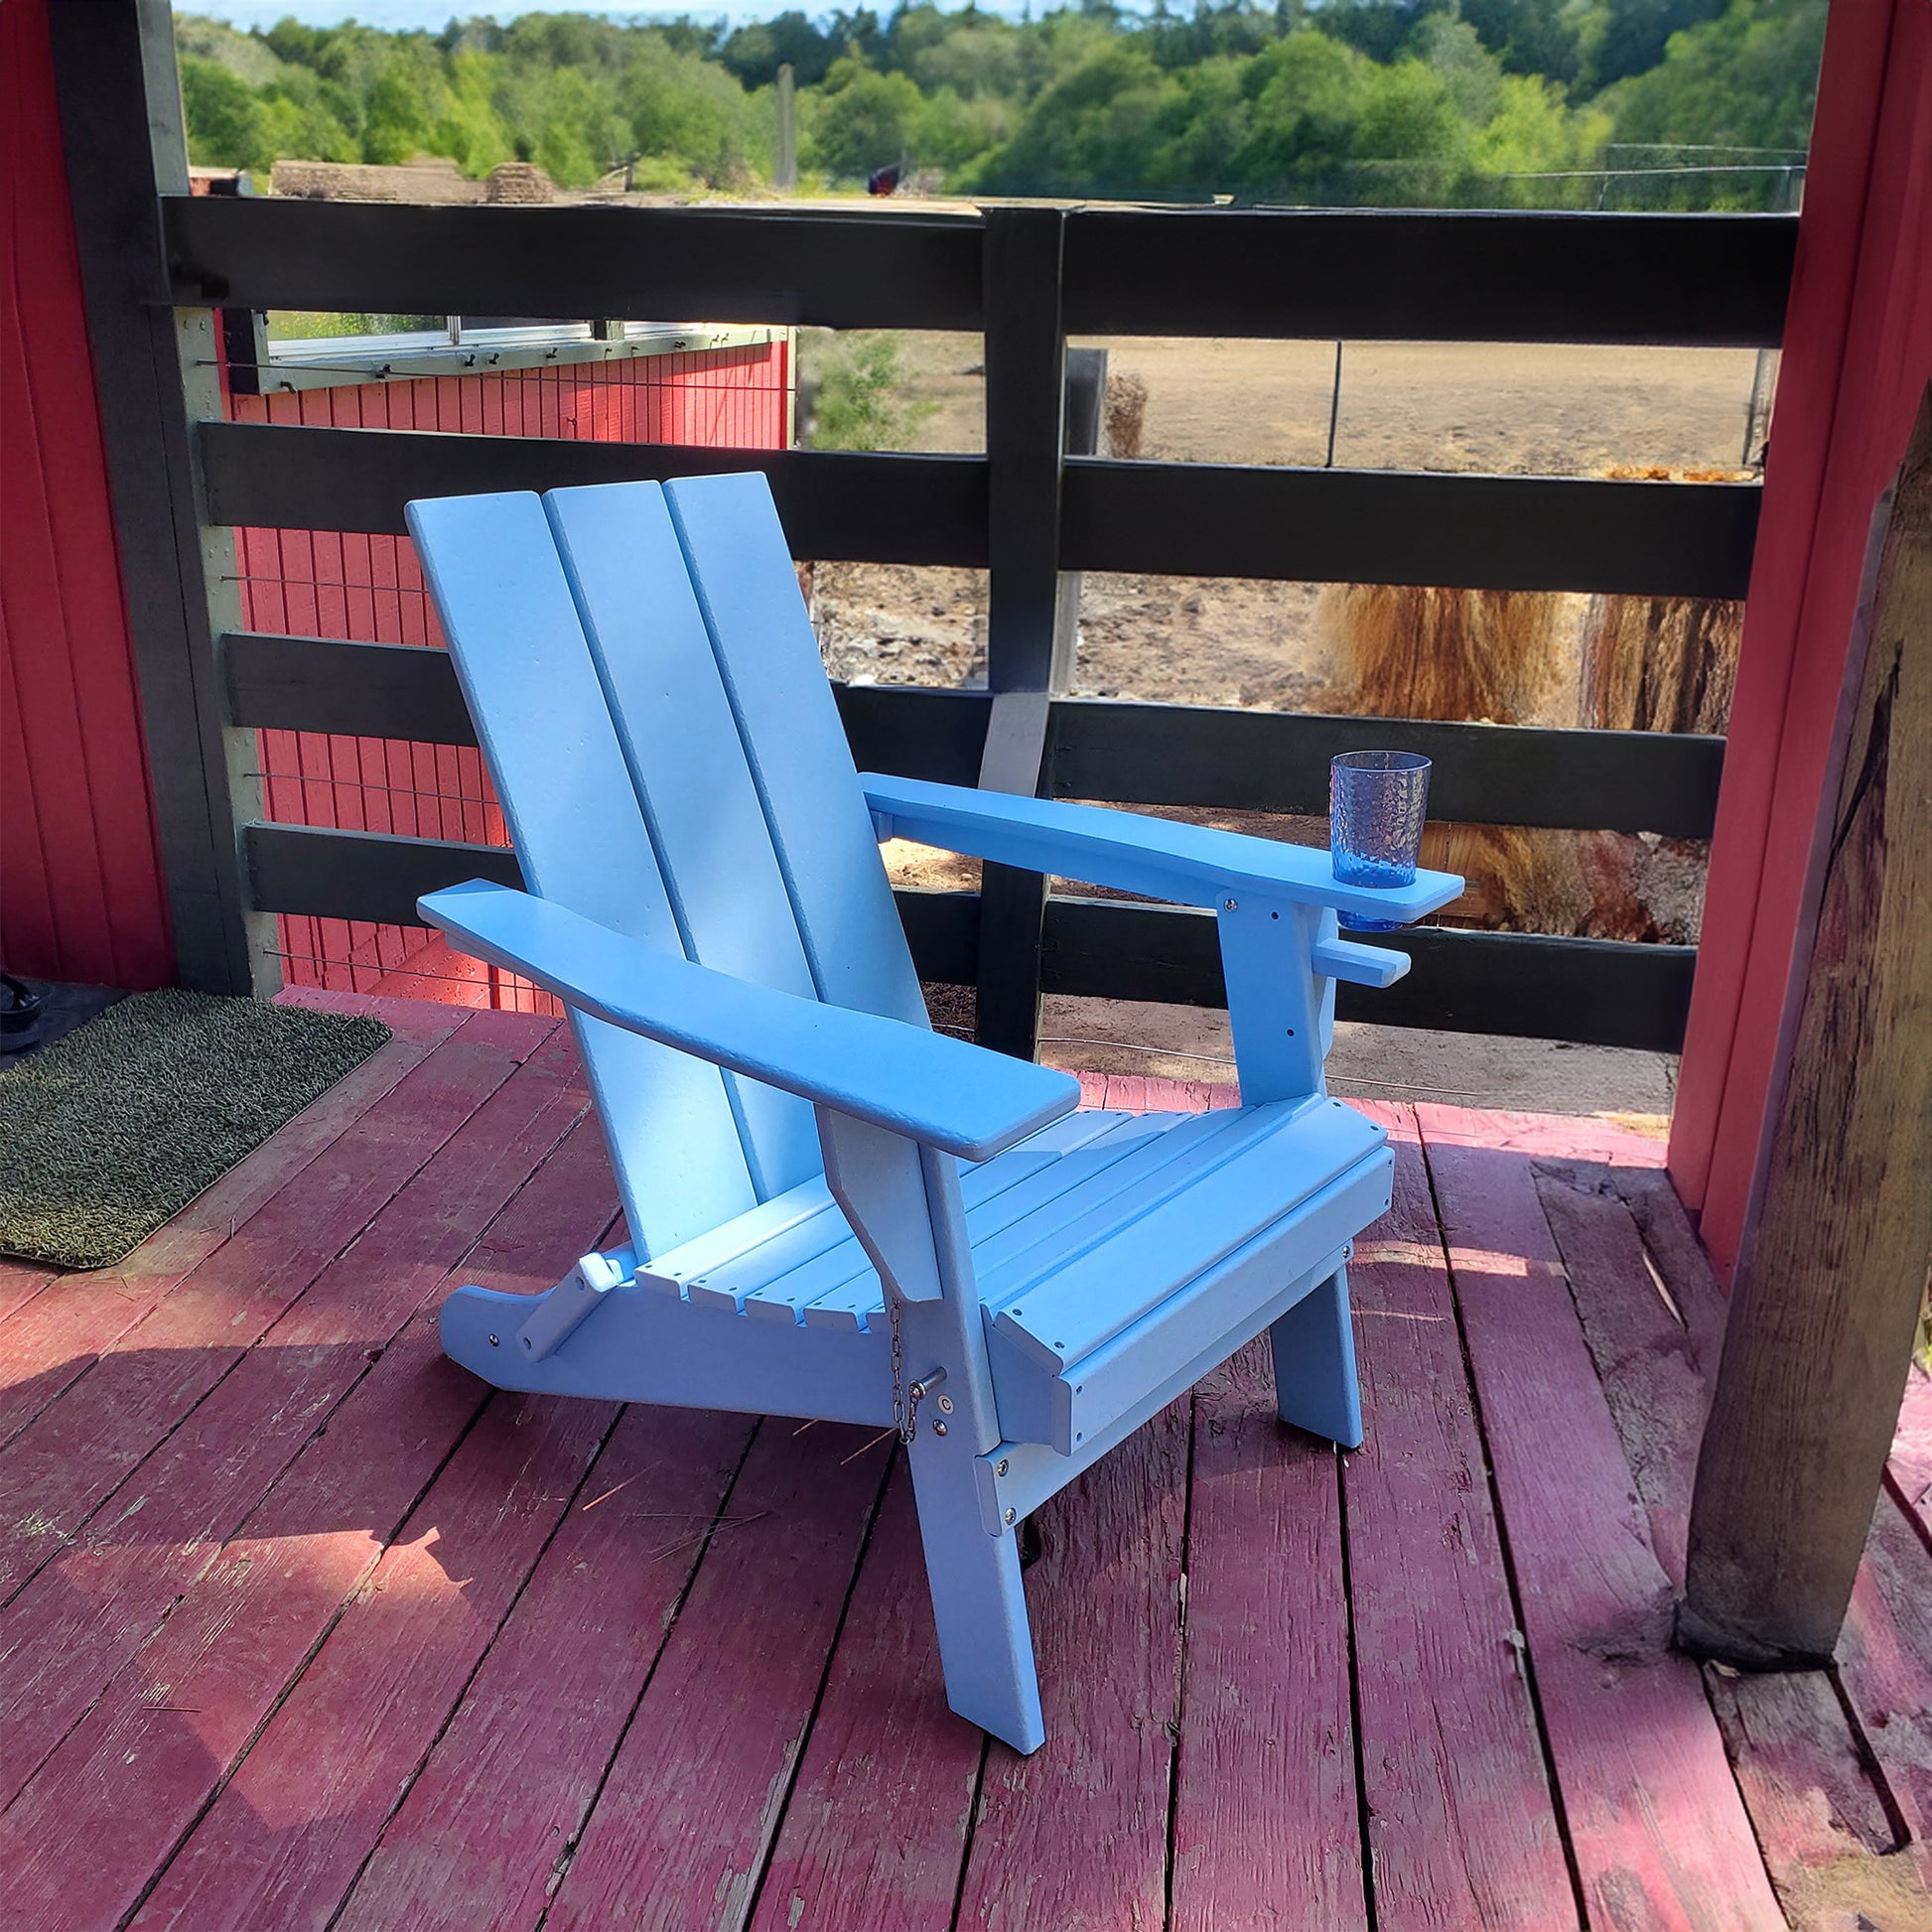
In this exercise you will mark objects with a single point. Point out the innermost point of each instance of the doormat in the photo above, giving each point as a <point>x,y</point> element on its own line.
<point>108,1132</point>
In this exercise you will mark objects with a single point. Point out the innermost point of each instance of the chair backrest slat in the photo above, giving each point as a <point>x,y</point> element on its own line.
<point>689,769</point>
<point>555,759</point>
<point>788,722</point>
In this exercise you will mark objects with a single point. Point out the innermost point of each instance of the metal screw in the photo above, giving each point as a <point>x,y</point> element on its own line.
<point>938,1429</point>
<point>1229,903</point>
<point>493,1342</point>
<point>1010,1516</point>
<point>1002,1468</point>
<point>945,1405</point>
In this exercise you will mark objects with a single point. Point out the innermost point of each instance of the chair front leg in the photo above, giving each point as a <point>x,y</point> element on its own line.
<point>1278,1006</point>
<point>1315,1384</point>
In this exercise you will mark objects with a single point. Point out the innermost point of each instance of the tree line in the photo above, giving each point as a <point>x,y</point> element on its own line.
<point>1558,103</point>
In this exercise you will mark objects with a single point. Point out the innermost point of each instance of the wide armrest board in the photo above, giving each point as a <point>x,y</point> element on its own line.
<point>1190,865</point>
<point>940,1091</point>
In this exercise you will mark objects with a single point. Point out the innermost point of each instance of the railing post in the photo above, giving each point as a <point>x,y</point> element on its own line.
<point>1030,616</point>
<point>153,366</point>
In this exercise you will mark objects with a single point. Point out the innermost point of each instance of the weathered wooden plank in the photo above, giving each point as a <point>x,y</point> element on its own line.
<point>1556,1137</point>
<point>1819,1815</point>
<point>282,1842</point>
<point>70,1629</point>
<point>1463,1827</point>
<point>526,1749</point>
<point>1267,1832</point>
<point>54,1475</point>
<point>1673,1248</point>
<point>1826,1303</point>
<point>687,1815</point>
<point>1884,1662</point>
<point>1640,1345</point>
<point>1655,1823</point>
<point>53,1340</point>
<point>131,1778</point>
<point>884,1751</point>
<point>1105,1597</point>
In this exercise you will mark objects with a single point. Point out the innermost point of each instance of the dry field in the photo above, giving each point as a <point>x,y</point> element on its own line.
<point>1525,410</point>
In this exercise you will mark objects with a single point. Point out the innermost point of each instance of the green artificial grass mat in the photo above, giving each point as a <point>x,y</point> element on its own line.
<point>109,1132</point>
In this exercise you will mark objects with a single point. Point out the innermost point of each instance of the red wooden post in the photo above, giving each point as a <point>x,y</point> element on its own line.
<point>1858,355</point>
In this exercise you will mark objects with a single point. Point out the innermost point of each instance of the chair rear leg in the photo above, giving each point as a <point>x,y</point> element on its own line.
<point>985,1642</point>
<point>1315,1385</point>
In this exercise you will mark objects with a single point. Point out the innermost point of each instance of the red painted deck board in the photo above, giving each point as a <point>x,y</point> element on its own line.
<point>1462,1820</point>
<point>69,1629</point>
<point>1075,1836</point>
<point>1267,1827</point>
<point>58,1470</point>
<point>1653,1816</point>
<point>571,1701</point>
<point>125,1785</point>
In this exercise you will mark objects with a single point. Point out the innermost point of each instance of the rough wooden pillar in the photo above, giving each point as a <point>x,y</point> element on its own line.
<point>1827,1293</point>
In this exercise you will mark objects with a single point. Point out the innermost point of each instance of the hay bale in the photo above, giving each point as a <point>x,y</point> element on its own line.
<point>1406,651</point>
<point>1660,663</point>
<point>518,181</point>
<point>1123,415</point>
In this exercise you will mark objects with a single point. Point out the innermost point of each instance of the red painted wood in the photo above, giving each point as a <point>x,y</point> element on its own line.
<point>1909,1472</point>
<point>526,1749</point>
<point>688,1813</point>
<point>1461,1822</point>
<point>130,1779</point>
<point>1075,1839</point>
<point>283,1841</point>
<point>72,1628</point>
<point>20,1282</point>
<point>883,1747</point>
<point>1657,1827</point>
<point>1267,1831</point>
<point>84,897</point>
<point>1561,1137</point>
<point>1857,352</point>
<point>53,1340</point>
<point>55,1472</point>
<point>1819,1816</point>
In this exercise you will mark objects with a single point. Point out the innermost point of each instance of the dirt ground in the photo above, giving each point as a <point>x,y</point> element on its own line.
<point>1552,410</point>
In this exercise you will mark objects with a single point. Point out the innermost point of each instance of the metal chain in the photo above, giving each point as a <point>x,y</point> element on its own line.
<point>906,1409</point>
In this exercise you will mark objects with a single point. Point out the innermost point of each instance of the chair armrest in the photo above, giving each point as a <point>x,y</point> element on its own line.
<point>1190,865</point>
<point>942,1092</point>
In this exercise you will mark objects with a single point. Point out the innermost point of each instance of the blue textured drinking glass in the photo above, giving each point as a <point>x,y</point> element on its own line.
<point>1376,804</point>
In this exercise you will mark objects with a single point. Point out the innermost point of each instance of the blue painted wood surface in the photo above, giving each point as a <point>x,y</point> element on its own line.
<point>1190,865</point>
<point>708,899</point>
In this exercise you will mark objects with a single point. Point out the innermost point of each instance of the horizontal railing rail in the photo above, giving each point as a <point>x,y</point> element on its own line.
<point>1118,752</point>
<point>1474,276</point>
<point>1596,991</point>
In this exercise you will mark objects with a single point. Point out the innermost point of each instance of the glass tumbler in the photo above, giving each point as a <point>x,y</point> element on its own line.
<point>1377,801</point>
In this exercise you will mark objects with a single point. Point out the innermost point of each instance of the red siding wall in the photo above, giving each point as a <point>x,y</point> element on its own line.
<point>324,584</point>
<point>82,895</point>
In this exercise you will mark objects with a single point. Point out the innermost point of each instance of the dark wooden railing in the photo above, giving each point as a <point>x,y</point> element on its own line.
<point>1029,513</point>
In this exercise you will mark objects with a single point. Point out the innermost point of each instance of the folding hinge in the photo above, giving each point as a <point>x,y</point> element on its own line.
<point>577,1296</point>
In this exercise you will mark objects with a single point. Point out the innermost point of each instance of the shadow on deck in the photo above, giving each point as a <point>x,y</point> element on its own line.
<point>303,1626</point>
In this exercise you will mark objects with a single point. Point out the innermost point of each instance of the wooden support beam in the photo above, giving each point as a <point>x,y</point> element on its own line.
<point>1827,1296</point>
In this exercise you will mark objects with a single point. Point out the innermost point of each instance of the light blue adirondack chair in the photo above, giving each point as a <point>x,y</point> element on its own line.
<point>832,1210</point>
